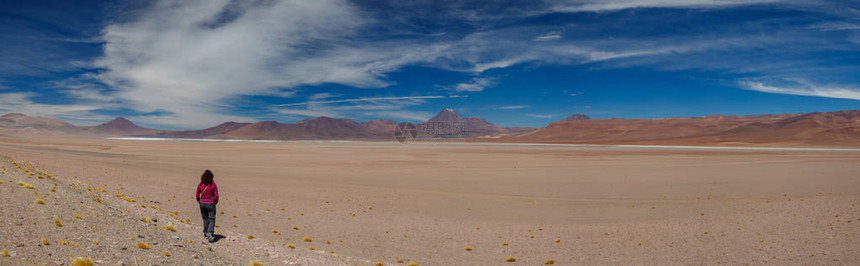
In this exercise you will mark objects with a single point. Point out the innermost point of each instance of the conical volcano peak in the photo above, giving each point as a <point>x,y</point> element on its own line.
<point>447,114</point>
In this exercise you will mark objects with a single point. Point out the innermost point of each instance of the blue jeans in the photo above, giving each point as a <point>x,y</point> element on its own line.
<point>208,212</point>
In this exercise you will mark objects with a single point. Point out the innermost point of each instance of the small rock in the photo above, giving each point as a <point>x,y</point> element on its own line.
<point>140,236</point>
<point>99,262</point>
<point>155,220</point>
<point>20,245</point>
<point>176,237</point>
<point>195,256</point>
<point>121,248</point>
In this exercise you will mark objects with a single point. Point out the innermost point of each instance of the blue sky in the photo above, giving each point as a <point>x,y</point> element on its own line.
<point>194,64</point>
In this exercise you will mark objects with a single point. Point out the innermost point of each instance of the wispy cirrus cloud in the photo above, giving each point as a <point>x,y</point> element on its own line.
<point>614,5</point>
<point>366,99</point>
<point>474,85</point>
<point>323,95</point>
<point>836,26</point>
<point>804,88</point>
<point>549,36</point>
<point>512,107</point>
<point>541,116</point>
<point>396,107</point>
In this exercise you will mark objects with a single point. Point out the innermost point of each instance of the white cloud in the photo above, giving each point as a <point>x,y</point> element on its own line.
<point>365,99</point>
<point>614,5</point>
<point>404,114</point>
<point>548,36</point>
<point>474,85</point>
<point>91,94</point>
<point>323,95</point>
<point>187,58</point>
<point>513,107</point>
<point>835,26</point>
<point>309,113</point>
<point>17,102</point>
<point>542,116</point>
<point>804,89</point>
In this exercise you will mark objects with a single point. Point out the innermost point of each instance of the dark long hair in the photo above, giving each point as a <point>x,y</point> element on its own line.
<point>207,177</point>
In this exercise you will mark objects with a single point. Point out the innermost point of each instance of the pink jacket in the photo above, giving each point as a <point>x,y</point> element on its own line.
<point>207,194</point>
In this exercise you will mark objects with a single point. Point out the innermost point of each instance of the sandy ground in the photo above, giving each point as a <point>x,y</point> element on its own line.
<point>421,203</point>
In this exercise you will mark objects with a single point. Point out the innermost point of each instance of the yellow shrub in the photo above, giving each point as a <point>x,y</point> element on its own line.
<point>511,259</point>
<point>40,201</point>
<point>58,223</point>
<point>255,263</point>
<point>169,227</point>
<point>307,239</point>
<point>81,261</point>
<point>142,245</point>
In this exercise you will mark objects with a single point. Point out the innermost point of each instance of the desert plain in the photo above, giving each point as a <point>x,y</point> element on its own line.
<point>362,203</point>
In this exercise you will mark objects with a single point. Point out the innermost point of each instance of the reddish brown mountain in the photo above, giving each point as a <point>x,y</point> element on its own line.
<point>835,128</point>
<point>575,117</point>
<point>212,132</point>
<point>818,129</point>
<point>327,127</point>
<point>474,126</point>
<point>840,128</point>
<point>121,127</point>
<point>20,123</point>
<point>315,128</point>
<point>380,127</point>
<point>516,131</point>
<point>266,130</point>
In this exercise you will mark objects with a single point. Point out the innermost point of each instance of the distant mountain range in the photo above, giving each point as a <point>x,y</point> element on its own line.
<point>308,129</point>
<point>841,128</point>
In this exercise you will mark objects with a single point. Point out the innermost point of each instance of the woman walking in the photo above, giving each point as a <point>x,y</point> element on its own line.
<point>207,197</point>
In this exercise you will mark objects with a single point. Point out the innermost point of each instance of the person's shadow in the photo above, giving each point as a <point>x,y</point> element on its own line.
<point>217,237</point>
